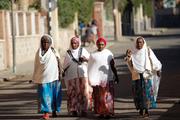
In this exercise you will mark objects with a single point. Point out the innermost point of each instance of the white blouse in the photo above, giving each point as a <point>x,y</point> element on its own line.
<point>99,69</point>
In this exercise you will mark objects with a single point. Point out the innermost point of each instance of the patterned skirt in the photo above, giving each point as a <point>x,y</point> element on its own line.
<point>143,94</point>
<point>49,97</point>
<point>79,95</point>
<point>104,99</point>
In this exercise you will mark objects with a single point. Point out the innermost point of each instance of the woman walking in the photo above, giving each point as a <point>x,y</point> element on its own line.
<point>46,75</point>
<point>145,69</point>
<point>101,67</point>
<point>76,79</point>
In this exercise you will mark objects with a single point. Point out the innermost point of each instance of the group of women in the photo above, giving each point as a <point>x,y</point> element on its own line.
<point>90,78</point>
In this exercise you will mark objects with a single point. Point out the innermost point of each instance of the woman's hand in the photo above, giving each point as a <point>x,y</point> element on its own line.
<point>83,59</point>
<point>116,81</point>
<point>128,53</point>
<point>159,73</point>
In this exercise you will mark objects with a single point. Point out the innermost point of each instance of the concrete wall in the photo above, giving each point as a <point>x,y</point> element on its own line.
<point>64,40</point>
<point>28,28</point>
<point>2,55</point>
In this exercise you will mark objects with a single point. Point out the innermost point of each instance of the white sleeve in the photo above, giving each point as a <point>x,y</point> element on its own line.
<point>85,53</point>
<point>156,63</point>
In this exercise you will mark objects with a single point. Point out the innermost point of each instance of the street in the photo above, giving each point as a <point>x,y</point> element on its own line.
<point>18,99</point>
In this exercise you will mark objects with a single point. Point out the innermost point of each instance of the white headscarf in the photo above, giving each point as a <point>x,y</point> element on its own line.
<point>74,70</point>
<point>74,52</point>
<point>140,58</point>
<point>45,65</point>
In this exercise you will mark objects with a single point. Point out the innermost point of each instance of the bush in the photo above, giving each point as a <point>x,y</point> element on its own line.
<point>35,5</point>
<point>5,4</point>
<point>68,8</point>
<point>66,11</point>
<point>147,6</point>
<point>85,10</point>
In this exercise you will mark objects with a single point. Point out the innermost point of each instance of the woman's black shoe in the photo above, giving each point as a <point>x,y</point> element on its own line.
<point>54,114</point>
<point>146,114</point>
<point>141,112</point>
<point>84,114</point>
<point>74,113</point>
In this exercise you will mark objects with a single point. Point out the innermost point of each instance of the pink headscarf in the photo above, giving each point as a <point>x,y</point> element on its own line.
<point>75,39</point>
<point>101,40</point>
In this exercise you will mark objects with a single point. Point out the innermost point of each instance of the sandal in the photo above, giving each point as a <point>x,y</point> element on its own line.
<point>46,116</point>
<point>73,113</point>
<point>146,114</point>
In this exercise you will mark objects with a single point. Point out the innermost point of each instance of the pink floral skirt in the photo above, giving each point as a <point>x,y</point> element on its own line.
<point>104,99</point>
<point>79,95</point>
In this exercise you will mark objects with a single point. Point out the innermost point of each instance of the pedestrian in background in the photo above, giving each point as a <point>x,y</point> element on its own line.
<point>145,69</point>
<point>76,79</point>
<point>46,75</point>
<point>89,36</point>
<point>102,74</point>
<point>94,30</point>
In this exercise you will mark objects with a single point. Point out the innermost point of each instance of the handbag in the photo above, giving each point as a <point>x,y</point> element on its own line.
<point>147,74</point>
<point>79,62</point>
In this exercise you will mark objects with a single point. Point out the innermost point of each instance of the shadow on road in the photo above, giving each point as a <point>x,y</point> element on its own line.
<point>172,114</point>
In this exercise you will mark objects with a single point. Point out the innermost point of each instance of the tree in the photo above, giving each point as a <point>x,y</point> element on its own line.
<point>66,11</point>
<point>35,5</point>
<point>85,10</point>
<point>147,6</point>
<point>5,4</point>
<point>121,4</point>
<point>68,8</point>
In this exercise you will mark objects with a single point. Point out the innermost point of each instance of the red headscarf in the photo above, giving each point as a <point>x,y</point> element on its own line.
<point>101,40</point>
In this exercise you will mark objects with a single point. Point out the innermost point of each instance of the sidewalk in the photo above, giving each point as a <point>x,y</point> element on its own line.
<point>6,75</point>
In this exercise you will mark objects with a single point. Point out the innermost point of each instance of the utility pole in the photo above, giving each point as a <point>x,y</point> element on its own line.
<point>114,18</point>
<point>13,37</point>
<point>49,16</point>
<point>154,14</point>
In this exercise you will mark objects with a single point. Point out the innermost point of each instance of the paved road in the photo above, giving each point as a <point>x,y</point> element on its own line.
<point>18,97</point>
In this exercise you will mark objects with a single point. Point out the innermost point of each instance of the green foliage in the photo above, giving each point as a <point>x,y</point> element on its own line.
<point>5,4</point>
<point>68,8</point>
<point>108,9</point>
<point>121,5</point>
<point>136,3</point>
<point>147,6</point>
<point>85,10</point>
<point>66,11</point>
<point>35,5</point>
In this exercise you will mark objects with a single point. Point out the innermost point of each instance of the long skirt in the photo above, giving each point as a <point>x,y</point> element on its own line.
<point>143,94</point>
<point>104,99</point>
<point>79,95</point>
<point>50,97</point>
